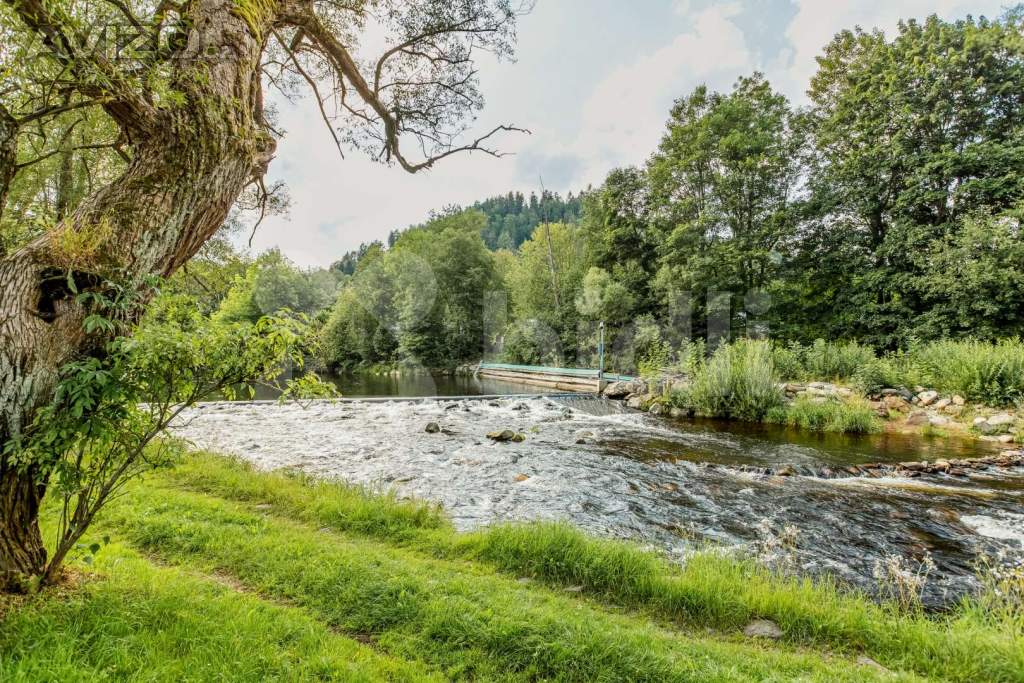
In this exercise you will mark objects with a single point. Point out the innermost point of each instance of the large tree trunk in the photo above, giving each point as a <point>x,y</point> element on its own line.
<point>190,162</point>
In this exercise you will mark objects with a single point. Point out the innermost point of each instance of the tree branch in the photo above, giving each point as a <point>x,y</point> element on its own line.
<point>8,153</point>
<point>105,145</point>
<point>94,75</point>
<point>313,87</point>
<point>338,56</point>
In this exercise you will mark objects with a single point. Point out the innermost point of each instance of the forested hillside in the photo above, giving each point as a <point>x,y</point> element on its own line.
<point>512,219</point>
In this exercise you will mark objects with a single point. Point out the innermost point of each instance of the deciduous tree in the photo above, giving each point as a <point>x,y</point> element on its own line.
<point>181,90</point>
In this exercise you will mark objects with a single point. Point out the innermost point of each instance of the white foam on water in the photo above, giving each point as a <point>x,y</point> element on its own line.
<point>1007,526</point>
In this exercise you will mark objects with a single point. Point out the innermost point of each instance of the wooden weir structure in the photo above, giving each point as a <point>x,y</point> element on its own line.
<point>561,379</point>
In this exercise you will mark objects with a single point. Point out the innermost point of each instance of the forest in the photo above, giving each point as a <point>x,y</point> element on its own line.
<point>885,212</point>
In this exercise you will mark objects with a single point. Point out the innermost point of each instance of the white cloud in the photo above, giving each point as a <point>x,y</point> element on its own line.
<point>625,115</point>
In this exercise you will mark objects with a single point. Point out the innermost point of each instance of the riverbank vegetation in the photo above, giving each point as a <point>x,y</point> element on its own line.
<point>853,416</point>
<point>854,218</point>
<point>213,569</point>
<point>758,380</point>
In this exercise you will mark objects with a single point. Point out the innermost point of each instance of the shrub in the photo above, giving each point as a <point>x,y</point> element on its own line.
<point>854,416</point>
<point>652,352</point>
<point>979,371</point>
<point>738,381</point>
<point>891,371</point>
<point>788,361</point>
<point>836,361</point>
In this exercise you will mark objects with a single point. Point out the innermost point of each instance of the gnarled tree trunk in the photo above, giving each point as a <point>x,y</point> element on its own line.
<point>190,162</point>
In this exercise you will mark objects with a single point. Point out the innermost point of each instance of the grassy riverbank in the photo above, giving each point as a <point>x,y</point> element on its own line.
<point>933,389</point>
<point>216,571</point>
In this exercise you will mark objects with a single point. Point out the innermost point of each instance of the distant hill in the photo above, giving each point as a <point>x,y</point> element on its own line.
<point>511,218</point>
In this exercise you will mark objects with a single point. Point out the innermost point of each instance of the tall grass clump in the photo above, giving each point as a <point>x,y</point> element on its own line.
<point>978,371</point>
<point>822,360</point>
<point>836,361</point>
<point>853,416</point>
<point>738,381</point>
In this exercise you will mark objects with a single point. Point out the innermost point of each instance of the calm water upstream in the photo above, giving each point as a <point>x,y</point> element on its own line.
<point>628,474</point>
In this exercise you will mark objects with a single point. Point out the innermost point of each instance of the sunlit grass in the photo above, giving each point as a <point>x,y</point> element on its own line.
<point>138,621</point>
<point>709,591</point>
<point>463,620</point>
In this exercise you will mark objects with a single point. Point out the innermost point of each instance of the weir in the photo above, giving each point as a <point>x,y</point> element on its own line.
<point>564,379</point>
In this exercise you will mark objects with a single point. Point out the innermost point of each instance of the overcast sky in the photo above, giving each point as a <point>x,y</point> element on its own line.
<point>593,80</point>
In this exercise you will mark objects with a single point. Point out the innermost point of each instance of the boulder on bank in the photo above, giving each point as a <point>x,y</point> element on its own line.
<point>621,390</point>
<point>617,390</point>
<point>636,401</point>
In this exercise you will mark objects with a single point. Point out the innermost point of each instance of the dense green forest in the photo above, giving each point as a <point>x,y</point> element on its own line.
<point>512,219</point>
<point>887,210</point>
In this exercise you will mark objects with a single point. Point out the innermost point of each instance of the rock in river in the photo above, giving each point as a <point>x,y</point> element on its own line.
<point>432,428</point>
<point>506,435</point>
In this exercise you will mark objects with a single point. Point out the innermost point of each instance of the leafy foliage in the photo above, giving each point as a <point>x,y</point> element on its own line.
<point>418,302</point>
<point>738,381</point>
<point>109,414</point>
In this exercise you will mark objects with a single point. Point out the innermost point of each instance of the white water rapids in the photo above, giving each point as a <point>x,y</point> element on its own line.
<point>624,474</point>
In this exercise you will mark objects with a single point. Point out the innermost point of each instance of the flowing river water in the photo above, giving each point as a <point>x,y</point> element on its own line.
<point>622,473</point>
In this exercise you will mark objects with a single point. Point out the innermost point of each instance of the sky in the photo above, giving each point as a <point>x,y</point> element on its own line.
<point>593,80</point>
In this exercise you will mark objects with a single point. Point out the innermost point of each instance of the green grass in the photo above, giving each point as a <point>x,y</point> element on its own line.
<point>711,591</point>
<point>821,361</point>
<point>991,373</point>
<point>852,416</point>
<point>316,575</point>
<point>978,371</point>
<point>139,621</point>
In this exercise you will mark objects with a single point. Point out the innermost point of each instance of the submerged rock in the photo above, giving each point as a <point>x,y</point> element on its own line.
<point>503,435</point>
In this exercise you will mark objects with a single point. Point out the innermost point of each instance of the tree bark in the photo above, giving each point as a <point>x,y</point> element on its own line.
<point>8,154</point>
<point>190,163</point>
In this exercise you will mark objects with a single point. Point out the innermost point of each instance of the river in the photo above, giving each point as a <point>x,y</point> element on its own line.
<point>628,474</point>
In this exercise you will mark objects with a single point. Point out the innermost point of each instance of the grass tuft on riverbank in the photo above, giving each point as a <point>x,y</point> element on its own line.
<point>852,416</point>
<point>318,580</point>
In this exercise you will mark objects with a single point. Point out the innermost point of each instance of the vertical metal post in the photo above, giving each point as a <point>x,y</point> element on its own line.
<point>600,359</point>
